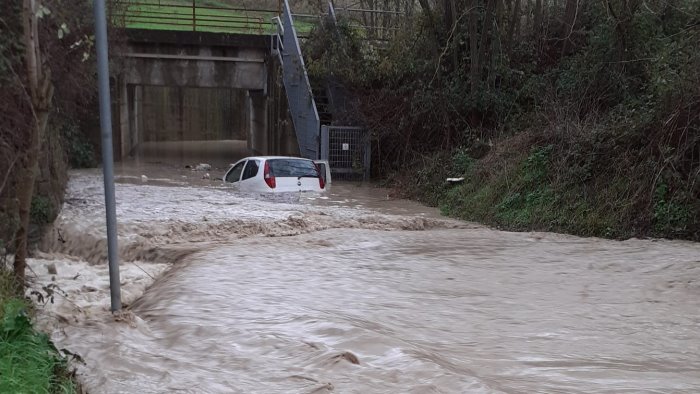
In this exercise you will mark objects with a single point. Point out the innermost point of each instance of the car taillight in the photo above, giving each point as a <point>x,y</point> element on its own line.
<point>269,178</point>
<point>321,182</point>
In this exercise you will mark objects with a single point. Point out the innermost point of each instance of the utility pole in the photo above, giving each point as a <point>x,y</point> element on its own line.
<point>107,154</point>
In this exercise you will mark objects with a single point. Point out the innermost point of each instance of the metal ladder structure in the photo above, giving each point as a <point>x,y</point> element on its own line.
<point>346,148</point>
<point>302,105</point>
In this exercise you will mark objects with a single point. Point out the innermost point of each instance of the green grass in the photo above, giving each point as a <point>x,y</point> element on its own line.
<point>548,188</point>
<point>150,14</point>
<point>29,363</point>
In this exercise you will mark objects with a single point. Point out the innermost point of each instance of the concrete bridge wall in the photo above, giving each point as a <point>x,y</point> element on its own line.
<point>194,86</point>
<point>180,113</point>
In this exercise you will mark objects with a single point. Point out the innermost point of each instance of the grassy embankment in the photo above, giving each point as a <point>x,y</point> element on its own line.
<point>531,183</point>
<point>29,362</point>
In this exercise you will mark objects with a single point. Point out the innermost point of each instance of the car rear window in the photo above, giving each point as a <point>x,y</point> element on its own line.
<point>292,168</point>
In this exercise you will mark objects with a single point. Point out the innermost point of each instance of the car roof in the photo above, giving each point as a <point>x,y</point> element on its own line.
<point>273,157</point>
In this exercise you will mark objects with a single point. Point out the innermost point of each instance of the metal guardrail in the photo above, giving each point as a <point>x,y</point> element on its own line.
<point>200,15</point>
<point>193,15</point>
<point>378,25</point>
<point>276,44</point>
<point>210,16</point>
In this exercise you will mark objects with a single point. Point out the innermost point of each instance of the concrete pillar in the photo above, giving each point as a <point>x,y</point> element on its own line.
<point>249,130</point>
<point>131,94</point>
<point>135,116</point>
<point>125,135</point>
<point>258,127</point>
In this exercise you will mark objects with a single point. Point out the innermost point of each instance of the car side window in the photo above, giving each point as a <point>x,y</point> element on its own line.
<point>234,174</point>
<point>251,169</point>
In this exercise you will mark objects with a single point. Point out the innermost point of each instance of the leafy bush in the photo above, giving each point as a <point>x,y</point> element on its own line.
<point>670,217</point>
<point>40,210</point>
<point>81,153</point>
<point>462,162</point>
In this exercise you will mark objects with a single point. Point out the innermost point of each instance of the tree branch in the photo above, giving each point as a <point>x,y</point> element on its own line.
<point>447,43</point>
<point>7,174</point>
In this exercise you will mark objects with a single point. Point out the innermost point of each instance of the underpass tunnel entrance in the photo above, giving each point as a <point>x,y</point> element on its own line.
<point>188,125</point>
<point>200,97</point>
<point>185,125</point>
<point>189,114</point>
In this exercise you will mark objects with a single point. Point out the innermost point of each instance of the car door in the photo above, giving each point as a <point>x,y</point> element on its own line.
<point>324,170</point>
<point>233,176</point>
<point>250,182</point>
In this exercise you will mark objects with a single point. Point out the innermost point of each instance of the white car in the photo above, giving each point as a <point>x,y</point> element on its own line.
<point>275,174</point>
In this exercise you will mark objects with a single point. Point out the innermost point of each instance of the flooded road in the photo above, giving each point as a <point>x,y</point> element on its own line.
<point>356,293</point>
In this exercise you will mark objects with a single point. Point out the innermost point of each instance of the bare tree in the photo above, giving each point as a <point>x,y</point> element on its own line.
<point>537,26</point>
<point>10,160</point>
<point>514,19</point>
<point>570,14</point>
<point>473,42</point>
<point>485,29</point>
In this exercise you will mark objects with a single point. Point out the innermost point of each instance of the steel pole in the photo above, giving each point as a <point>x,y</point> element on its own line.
<point>107,154</point>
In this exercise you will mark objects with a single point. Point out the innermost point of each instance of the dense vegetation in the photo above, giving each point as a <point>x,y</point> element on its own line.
<point>48,98</point>
<point>48,101</point>
<point>581,117</point>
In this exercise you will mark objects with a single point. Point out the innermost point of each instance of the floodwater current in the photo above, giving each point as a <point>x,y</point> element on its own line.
<point>354,292</point>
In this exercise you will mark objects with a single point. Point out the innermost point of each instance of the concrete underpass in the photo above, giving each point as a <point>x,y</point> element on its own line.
<point>198,96</point>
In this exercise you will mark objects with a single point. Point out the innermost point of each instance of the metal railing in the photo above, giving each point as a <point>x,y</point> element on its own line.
<point>193,15</point>
<point>203,15</point>
<point>276,44</point>
<point>377,24</point>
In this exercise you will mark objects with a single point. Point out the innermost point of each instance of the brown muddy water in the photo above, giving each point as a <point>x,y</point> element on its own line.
<point>352,292</point>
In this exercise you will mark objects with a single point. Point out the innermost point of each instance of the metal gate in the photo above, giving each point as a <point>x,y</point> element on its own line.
<point>347,150</point>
